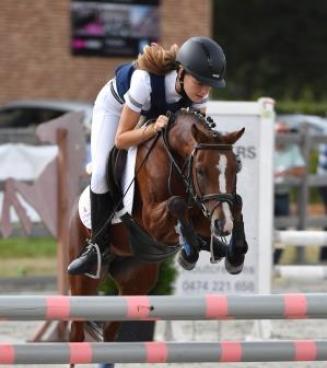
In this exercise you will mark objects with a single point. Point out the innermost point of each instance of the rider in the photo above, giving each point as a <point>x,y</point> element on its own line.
<point>158,81</point>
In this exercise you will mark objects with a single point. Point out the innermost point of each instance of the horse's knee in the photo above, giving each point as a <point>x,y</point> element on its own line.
<point>177,207</point>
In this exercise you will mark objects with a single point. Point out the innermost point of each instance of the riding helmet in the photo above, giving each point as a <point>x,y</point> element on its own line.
<point>203,58</point>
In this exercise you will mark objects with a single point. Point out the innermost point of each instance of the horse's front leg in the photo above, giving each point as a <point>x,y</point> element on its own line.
<point>189,254</point>
<point>159,223</point>
<point>168,222</point>
<point>238,246</point>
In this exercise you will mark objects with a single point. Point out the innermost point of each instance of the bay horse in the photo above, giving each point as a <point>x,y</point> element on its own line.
<point>185,198</point>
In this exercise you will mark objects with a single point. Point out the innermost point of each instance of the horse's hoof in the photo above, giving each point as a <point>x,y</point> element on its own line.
<point>220,250</point>
<point>215,260</point>
<point>187,262</point>
<point>234,269</point>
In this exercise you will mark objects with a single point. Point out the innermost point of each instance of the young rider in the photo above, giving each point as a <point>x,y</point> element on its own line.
<point>158,81</point>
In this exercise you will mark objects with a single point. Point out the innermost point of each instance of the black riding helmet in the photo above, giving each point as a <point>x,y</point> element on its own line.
<point>204,59</point>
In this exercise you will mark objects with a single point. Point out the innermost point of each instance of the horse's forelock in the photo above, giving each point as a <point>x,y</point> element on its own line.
<point>189,116</point>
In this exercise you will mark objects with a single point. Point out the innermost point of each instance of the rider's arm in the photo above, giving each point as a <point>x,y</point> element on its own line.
<point>136,98</point>
<point>127,135</point>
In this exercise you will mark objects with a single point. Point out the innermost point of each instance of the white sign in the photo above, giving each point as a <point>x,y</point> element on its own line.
<point>24,162</point>
<point>255,185</point>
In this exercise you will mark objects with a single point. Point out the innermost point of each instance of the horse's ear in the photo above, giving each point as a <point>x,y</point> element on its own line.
<point>231,138</point>
<point>198,135</point>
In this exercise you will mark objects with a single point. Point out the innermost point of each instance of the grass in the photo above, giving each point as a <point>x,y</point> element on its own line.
<point>37,257</point>
<point>311,255</point>
<point>27,257</point>
<point>23,267</point>
<point>27,247</point>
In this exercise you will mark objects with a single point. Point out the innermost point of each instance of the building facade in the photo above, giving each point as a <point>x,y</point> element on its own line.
<point>36,59</point>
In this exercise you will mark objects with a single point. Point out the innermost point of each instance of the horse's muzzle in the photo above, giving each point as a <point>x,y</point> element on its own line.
<point>222,228</point>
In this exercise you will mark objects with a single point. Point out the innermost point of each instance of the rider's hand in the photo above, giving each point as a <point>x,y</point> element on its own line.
<point>160,123</point>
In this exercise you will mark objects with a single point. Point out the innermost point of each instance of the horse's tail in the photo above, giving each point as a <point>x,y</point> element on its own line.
<point>95,330</point>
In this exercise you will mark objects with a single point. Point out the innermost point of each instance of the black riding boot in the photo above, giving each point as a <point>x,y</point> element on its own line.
<point>101,208</point>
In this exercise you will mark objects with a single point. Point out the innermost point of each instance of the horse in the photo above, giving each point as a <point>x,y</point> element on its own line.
<point>185,201</point>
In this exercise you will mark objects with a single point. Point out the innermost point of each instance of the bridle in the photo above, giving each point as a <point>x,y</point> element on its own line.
<point>194,185</point>
<point>185,172</point>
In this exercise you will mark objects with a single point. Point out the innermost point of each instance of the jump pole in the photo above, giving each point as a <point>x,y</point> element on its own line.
<point>161,352</point>
<point>300,238</point>
<point>119,308</point>
<point>304,273</point>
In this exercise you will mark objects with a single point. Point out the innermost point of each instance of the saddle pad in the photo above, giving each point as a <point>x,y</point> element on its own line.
<point>84,205</point>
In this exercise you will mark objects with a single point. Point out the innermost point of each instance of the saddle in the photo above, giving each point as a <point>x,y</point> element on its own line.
<point>142,244</point>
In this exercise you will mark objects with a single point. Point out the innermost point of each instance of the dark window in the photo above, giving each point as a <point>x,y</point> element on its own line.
<point>21,117</point>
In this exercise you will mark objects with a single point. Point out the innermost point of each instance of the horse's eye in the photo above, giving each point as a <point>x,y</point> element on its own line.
<point>200,172</point>
<point>238,163</point>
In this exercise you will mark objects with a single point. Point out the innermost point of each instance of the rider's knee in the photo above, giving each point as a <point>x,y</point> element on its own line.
<point>99,182</point>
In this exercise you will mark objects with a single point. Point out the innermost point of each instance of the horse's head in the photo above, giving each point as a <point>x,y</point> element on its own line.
<point>211,169</point>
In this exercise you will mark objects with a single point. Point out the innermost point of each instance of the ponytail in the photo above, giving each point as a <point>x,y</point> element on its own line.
<point>157,60</point>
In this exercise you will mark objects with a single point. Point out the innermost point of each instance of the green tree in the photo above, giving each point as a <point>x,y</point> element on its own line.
<point>274,48</point>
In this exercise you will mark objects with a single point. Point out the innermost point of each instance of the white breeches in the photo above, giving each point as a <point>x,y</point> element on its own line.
<point>106,114</point>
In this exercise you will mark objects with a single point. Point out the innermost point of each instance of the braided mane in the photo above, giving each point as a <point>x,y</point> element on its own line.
<point>206,122</point>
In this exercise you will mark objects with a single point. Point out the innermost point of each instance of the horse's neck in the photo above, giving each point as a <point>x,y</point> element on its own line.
<point>181,139</point>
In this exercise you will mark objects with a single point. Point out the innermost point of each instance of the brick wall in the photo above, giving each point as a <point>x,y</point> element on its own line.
<point>35,57</point>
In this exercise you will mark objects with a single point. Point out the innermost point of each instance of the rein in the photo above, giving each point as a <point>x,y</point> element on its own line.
<point>119,203</point>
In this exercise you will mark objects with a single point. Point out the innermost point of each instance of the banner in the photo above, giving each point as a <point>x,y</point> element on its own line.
<point>113,28</point>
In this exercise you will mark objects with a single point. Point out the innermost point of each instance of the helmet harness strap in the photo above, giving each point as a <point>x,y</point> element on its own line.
<point>180,79</point>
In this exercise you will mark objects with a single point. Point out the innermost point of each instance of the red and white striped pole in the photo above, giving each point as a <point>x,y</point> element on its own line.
<point>160,352</point>
<point>210,306</point>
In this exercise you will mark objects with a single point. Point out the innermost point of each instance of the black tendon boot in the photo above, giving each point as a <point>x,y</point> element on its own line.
<point>91,255</point>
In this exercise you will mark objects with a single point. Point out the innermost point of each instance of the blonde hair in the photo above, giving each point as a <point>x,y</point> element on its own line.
<point>157,60</point>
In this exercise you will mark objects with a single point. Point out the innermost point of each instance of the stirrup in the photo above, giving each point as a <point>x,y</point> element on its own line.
<point>97,274</point>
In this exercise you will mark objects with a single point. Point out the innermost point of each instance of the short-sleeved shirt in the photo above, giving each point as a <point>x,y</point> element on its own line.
<point>287,158</point>
<point>138,97</point>
<point>322,160</point>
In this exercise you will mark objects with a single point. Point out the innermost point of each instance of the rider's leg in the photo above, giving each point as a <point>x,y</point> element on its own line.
<point>104,126</point>
<point>101,207</point>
